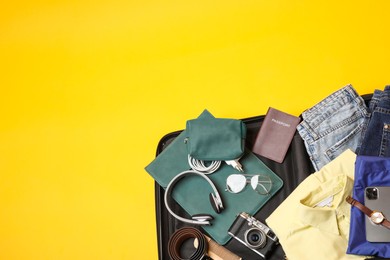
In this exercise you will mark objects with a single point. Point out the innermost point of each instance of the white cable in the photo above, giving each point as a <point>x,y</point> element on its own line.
<point>200,166</point>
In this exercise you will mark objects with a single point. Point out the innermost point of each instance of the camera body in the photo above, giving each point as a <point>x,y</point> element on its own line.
<point>254,234</point>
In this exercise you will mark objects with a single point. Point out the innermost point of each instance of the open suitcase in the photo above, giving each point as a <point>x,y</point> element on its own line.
<point>294,169</point>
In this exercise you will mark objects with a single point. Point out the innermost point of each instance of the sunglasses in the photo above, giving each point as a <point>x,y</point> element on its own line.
<point>262,184</point>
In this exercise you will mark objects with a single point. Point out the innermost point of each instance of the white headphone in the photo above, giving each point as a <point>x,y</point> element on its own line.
<point>199,219</point>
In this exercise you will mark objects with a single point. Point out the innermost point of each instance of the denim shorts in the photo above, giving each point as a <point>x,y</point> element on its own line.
<point>376,135</point>
<point>333,125</point>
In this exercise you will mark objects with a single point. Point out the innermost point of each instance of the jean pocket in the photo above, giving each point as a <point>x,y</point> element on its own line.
<point>350,141</point>
<point>384,149</point>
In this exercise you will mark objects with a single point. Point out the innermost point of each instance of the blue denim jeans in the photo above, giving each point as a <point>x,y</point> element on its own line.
<point>376,135</point>
<point>333,125</point>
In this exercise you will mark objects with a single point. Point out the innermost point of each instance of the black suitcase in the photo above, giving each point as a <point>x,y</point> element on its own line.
<point>294,169</point>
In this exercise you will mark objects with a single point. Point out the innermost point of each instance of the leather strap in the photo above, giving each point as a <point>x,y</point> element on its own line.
<point>360,206</point>
<point>386,223</point>
<point>366,210</point>
<point>181,235</point>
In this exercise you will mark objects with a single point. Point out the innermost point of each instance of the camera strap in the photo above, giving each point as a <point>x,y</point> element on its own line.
<point>181,235</point>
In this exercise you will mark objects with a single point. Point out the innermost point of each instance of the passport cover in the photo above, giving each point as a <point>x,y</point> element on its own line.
<point>275,135</point>
<point>192,192</point>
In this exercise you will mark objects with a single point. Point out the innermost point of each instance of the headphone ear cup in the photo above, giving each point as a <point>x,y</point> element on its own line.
<point>215,203</point>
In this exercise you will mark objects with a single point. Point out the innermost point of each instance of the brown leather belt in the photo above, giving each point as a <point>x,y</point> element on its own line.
<point>181,235</point>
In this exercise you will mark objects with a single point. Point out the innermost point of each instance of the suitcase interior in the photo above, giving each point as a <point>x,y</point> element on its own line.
<point>294,169</point>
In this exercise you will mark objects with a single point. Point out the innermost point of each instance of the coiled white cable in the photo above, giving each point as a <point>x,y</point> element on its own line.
<point>200,166</point>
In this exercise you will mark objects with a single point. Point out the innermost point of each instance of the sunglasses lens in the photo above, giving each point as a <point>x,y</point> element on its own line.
<point>235,183</point>
<point>254,181</point>
<point>262,184</point>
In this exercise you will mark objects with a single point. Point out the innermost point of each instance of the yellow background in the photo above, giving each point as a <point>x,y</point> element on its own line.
<point>89,87</point>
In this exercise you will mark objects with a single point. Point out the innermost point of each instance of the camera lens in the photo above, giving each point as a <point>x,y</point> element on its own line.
<point>372,193</point>
<point>255,238</point>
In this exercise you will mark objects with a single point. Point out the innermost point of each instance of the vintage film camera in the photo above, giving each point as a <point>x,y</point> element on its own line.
<point>253,234</point>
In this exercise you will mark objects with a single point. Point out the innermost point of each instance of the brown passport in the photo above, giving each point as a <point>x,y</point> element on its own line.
<point>275,135</point>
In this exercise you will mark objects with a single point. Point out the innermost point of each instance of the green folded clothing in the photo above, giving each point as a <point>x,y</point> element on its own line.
<point>209,138</point>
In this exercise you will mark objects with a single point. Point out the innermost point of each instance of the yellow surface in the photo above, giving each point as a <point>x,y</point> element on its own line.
<point>89,87</point>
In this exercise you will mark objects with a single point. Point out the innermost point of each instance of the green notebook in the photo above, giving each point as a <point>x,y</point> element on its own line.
<point>192,192</point>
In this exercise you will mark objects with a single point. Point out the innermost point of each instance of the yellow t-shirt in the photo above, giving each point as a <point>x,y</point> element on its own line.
<point>313,222</point>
